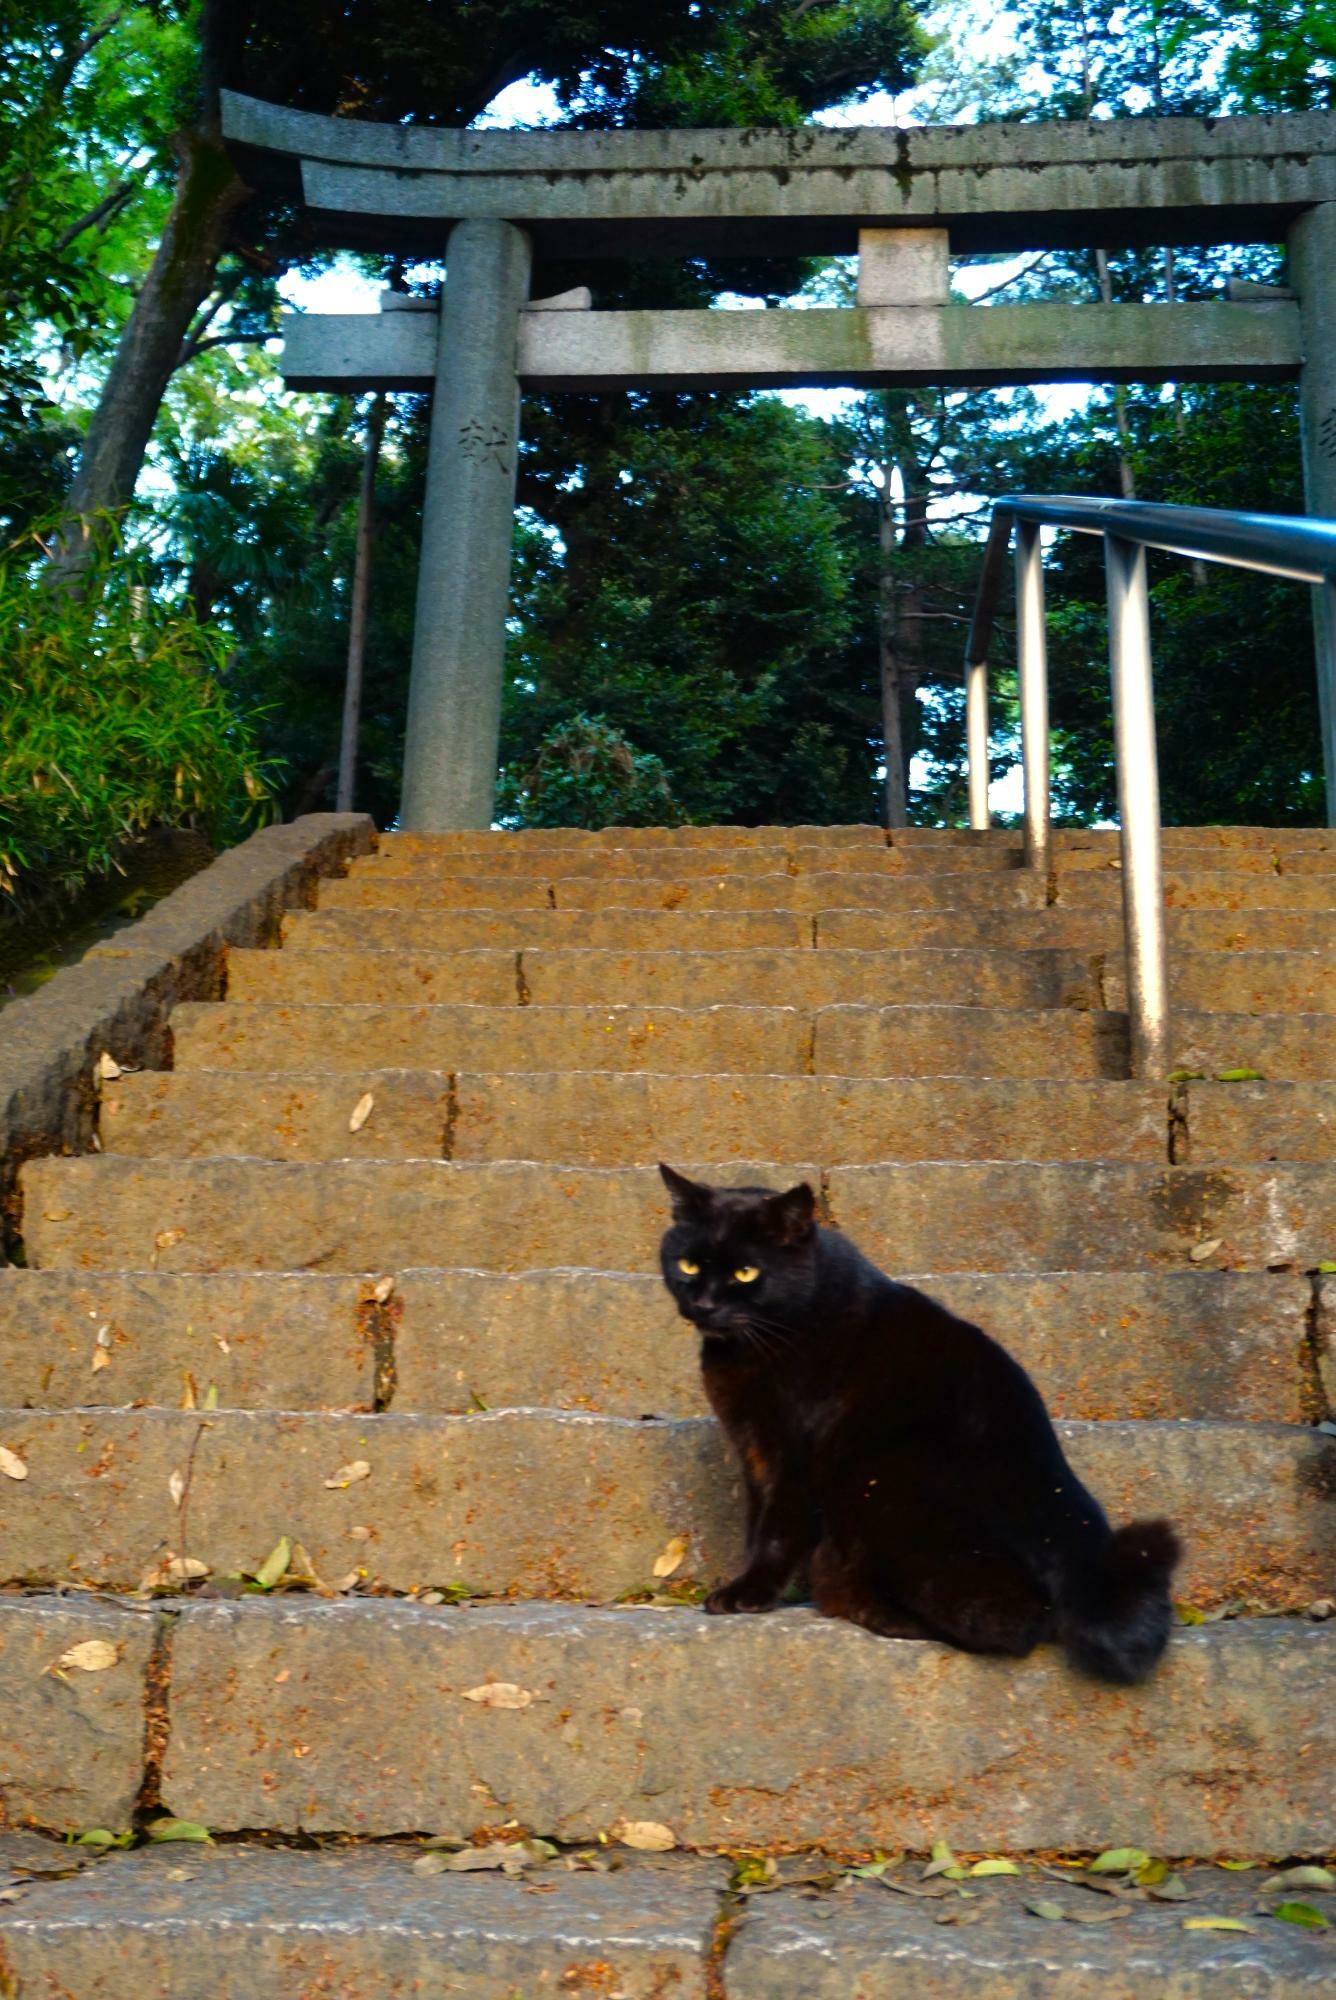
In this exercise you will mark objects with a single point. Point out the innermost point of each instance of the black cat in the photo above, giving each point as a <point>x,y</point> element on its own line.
<point>895,1456</point>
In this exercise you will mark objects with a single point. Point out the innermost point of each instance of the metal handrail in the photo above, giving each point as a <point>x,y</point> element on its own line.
<point>1279,545</point>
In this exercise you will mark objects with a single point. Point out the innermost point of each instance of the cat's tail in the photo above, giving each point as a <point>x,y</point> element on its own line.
<point>1116,1621</point>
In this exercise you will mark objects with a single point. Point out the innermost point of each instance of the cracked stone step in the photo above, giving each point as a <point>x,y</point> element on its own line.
<point>111,1212</point>
<point>272,1924</point>
<point>1046,1044</point>
<point>741,1732</point>
<point>610,1119</point>
<point>71,1750</point>
<point>1254,929</point>
<point>549,1504</point>
<point>880,1947</point>
<point>1098,888</point>
<point>1191,1343</point>
<point>1234,982</point>
<point>785,977</point>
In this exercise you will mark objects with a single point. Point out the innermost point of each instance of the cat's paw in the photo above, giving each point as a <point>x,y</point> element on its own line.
<point>740,1595</point>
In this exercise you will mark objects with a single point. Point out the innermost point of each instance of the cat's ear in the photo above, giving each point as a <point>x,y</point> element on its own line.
<point>690,1198</point>
<point>790,1216</point>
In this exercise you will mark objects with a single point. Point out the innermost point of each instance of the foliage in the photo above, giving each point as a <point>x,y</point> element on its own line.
<point>116,721</point>
<point>586,773</point>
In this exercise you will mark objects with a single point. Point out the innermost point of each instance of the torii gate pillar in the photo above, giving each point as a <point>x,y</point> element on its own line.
<point>459,637</point>
<point>1312,262</point>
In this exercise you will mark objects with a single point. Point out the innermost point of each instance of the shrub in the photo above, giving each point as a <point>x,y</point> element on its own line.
<point>586,773</point>
<point>114,721</point>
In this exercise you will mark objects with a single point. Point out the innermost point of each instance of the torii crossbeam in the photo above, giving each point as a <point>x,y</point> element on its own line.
<point>495,203</point>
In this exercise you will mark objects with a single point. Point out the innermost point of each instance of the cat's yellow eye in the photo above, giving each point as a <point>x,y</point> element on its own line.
<point>748,1274</point>
<point>687,1268</point>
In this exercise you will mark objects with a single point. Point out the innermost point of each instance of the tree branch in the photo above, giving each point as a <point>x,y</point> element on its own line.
<point>109,205</point>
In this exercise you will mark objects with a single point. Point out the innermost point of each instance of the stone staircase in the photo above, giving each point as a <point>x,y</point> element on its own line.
<point>365,1285</point>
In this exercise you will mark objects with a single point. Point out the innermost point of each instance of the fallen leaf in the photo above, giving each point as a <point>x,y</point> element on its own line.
<point>1301,1913</point>
<point>58,1214</point>
<point>1218,1924</point>
<point>958,1914</point>
<point>1321,1609</point>
<point>361,1111</point>
<point>349,1582</point>
<point>500,1694</point>
<point>165,1238</point>
<point>1188,1614</point>
<point>382,1291</point>
<point>1052,1913</point>
<point>1171,1890</point>
<point>649,1836</point>
<point>1309,1877</point>
<point>275,1565</point>
<point>1238,1076</point>
<point>11,1464</point>
<point>1236,1867</point>
<point>91,1656</point>
<point>101,1359</point>
<point>184,1569</point>
<point>1152,1874</point>
<point>431,1864</point>
<point>189,1399</point>
<point>672,1557</point>
<point>943,1862</point>
<point>176,1486</point>
<point>1119,1861</point>
<point>1096,1913</point>
<point>98,1836</point>
<point>1201,1251</point>
<point>348,1475</point>
<point>211,1396</point>
<point>177,1829</point>
<point>108,1069</point>
<point>995,1866</point>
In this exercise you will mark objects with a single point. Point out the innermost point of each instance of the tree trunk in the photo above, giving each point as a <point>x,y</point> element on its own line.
<point>1126,476</point>
<point>208,194</point>
<point>357,617</point>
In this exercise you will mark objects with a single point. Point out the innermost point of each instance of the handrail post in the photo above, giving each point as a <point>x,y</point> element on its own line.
<point>1138,806</point>
<point>1032,665</point>
<point>976,741</point>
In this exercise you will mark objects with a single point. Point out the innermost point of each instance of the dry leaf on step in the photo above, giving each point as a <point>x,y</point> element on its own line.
<point>108,1068</point>
<point>348,1475</point>
<point>649,1835</point>
<point>101,1359</point>
<point>382,1291</point>
<point>184,1569</point>
<point>500,1694</point>
<point>1201,1251</point>
<point>91,1656</point>
<point>11,1464</point>
<point>176,1486</point>
<point>361,1111</point>
<point>165,1238</point>
<point>672,1557</point>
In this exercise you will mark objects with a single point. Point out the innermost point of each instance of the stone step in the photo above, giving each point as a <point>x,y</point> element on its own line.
<point>1012,888</point>
<point>785,977</point>
<point>1062,838</point>
<point>788,857</point>
<point>273,1924</point>
<point>1302,982</point>
<point>282,1924</point>
<point>1088,888</point>
<point>980,929</point>
<point>879,1947</point>
<point>114,1213</point>
<point>609,1119</point>
<point>535,1503</point>
<point>1189,1343</point>
<point>927,1041</point>
<point>843,1040</point>
<point>826,1735</point>
<point>807,857</point>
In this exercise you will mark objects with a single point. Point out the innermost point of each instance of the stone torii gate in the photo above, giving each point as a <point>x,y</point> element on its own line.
<point>497,204</point>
